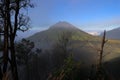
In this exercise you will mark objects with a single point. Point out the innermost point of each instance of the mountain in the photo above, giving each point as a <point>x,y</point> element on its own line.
<point>63,25</point>
<point>46,38</point>
<point>85,46</point>
<point>113,34</point>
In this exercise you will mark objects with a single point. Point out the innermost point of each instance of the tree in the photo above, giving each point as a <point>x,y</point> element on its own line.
<point>61,57</point>
<point>61,49</point>
<point>24,54</point>
<point>1,41</point>
<point>34,64</point>
<point>100,73</point>
<point>68,71</point>
<point>12,19</point>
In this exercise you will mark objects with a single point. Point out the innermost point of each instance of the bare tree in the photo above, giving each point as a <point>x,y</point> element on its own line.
<point>102,48</point>
<point>100,71</point>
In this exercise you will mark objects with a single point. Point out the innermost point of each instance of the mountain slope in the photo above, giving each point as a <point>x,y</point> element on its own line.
<point>81,42</point>
<point>46,38</point>
<point>58,28</point>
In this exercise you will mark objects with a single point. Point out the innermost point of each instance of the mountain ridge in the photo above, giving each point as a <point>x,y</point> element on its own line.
<point>113,34</point>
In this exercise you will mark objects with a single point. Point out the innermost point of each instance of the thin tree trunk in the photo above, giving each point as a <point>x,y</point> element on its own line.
<point>102,46</point>
<point>12,45</point>
<point>100,74</point>
<point>13,62</point>
<point>27,71</point>
<point>6,43</point>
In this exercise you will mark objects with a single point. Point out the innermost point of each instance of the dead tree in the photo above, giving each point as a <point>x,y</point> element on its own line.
<point>100,74</point>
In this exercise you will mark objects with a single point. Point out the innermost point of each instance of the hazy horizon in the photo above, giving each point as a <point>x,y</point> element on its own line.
<point>34,30</point>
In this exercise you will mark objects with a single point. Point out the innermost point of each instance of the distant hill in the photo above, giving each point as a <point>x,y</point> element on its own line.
<point>113,34</point>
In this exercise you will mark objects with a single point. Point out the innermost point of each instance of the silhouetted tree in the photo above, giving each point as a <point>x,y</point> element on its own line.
<point>24,54</point>
<point>35,63</point>
<point>100,72</point>
<point>12,19</point>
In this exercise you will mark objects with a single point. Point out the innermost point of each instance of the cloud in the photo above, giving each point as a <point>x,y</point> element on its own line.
<point>95,33</point>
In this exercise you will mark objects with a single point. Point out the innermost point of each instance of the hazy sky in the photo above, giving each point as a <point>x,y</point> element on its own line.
<point>85,14</point>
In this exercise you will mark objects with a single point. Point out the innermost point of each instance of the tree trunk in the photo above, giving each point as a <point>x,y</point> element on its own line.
<point>6,43</point>
<point>12,45</point>
<point>13,61</point>
<point>100,71</point>
<point>101,51</point>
